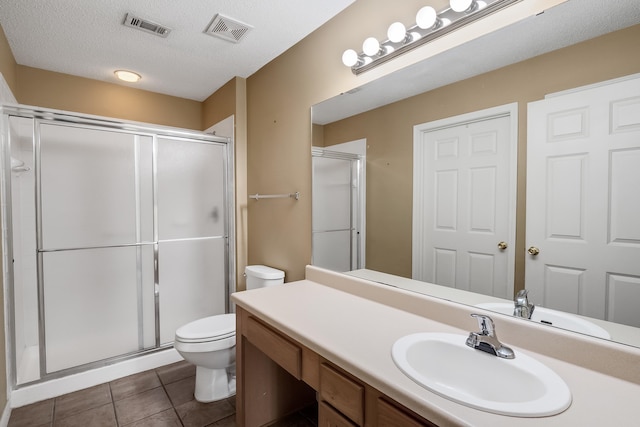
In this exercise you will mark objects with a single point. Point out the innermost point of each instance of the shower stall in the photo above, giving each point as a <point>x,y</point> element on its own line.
<point>338,210</point>
<point>114,234</point>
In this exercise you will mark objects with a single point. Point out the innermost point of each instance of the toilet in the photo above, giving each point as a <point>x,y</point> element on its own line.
<point>210,343</point>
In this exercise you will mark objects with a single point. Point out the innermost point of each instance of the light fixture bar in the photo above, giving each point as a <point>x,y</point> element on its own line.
<point>448,20</point>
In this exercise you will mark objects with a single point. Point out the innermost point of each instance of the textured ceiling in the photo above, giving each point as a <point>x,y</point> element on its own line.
<point>564,25</point>
<point>86,38</point>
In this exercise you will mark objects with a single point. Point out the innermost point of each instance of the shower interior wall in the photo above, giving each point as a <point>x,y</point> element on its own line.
<point>24,265</point>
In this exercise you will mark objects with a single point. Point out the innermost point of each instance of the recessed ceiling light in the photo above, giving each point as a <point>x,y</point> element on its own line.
<point>127,76</point>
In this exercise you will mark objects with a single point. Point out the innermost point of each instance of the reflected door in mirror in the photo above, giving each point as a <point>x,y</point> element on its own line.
<point>336,210</point>
<point>461,206</point>
<point>583,202</point>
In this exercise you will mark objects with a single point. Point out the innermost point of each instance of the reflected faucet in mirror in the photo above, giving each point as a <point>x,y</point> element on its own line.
<point>523,308</point>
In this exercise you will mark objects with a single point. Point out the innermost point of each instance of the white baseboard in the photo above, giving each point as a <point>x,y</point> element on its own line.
<point>6,414</point>
<point>47,390</point>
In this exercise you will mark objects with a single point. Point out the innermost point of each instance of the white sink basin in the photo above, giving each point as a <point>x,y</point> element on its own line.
<point>442,363</point>
<point>556,318</point>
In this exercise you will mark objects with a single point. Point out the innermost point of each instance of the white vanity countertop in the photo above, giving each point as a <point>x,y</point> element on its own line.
<point>357,333</point>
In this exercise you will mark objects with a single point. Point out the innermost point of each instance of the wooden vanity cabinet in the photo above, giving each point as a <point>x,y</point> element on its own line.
<point>343,393</point>
<point>390,415</point>
<point>277,376</point>
<point>350,402</point>
<point>329,417</point>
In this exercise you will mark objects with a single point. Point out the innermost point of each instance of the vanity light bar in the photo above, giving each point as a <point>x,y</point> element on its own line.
<point>460,13</point>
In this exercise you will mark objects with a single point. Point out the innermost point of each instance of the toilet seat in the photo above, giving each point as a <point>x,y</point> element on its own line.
<point>212,328</point>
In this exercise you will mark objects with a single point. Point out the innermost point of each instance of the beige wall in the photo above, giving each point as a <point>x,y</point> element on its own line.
<point>279,98</point>
<point>7,62</point>
<point>220,104</point>
<point>65,92</point>
<point>240,142</point>
<point>389,134</point>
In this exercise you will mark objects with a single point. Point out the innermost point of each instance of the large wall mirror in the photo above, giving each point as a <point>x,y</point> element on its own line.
<point>574,45</point>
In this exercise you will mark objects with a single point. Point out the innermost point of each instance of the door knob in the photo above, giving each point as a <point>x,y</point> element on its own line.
<point>533,250</point>
<point>502,246</point>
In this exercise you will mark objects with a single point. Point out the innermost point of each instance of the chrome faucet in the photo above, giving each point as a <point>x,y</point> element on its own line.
<point>486,340</point>
<point>523,308</point>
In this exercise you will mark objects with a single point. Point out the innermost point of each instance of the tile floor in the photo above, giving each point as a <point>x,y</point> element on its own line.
<point>160,397</point>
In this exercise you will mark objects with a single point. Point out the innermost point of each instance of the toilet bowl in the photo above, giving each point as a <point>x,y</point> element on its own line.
<point>210,343</point>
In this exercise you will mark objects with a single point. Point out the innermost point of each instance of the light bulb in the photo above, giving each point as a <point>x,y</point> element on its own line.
<point>397,32</point>
<point>426,17</point>
<point>460,5</point>
<point>127,76</point>
<point>350,57</point>
<point>371,46</point>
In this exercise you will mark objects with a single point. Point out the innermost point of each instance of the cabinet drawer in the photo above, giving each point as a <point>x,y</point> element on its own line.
<point>391,416</point>
<point>279,349</point>
<point>343,393</point>
<point>329,417</point>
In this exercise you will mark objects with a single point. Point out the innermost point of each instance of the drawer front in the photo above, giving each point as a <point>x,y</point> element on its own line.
<point>341,392</point>
<point>329,417</point>
<point>392,416</point>
<point>279,349</point>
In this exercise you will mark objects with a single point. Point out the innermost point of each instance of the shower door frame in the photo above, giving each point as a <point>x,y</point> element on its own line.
<point>71,119</point>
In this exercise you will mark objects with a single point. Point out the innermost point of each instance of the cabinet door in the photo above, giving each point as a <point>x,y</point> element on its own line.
<point>344,394</point>
<point>392,416</point>
<point>329,417</point>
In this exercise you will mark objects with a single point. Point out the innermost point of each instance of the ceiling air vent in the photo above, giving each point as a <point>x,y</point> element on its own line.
<point>145,25</point>
<point>227,28</point>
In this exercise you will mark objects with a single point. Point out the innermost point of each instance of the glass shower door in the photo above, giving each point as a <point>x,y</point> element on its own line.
<point>95,246</point>
<point>116,235</point>
<point>191,232</point>
<point>335,211</point>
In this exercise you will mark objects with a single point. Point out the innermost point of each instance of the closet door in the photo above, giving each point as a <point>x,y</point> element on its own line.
<point>464,202</point>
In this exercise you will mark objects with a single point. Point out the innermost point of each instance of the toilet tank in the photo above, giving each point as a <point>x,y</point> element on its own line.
<point>260,276</point>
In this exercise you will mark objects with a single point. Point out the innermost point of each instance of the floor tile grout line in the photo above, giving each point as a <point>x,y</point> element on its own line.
<point>113,404</point>
<point>53,412</point>
<point>168,396</point>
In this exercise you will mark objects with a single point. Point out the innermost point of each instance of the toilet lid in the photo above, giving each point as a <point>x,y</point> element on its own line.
<point>208,328</point>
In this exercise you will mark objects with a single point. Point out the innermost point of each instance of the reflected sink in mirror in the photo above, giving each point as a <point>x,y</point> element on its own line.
<point>445,365</point>
<point>547,316</point>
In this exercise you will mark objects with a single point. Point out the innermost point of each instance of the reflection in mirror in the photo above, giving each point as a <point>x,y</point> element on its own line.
<point>338,236</point>
<point>520,64</point>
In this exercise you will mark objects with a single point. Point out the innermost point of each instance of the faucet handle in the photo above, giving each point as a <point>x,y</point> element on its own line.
<point>485,323</point>
<point>521,297</point>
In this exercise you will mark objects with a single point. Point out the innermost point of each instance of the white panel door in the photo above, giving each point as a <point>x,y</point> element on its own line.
<point>583,202</point>
<point>463,206</point>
